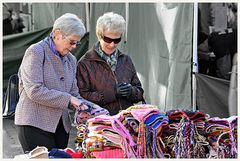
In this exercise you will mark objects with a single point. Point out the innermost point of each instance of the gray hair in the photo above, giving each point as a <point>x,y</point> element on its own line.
<point>69,24</point>
<point>110,22</point>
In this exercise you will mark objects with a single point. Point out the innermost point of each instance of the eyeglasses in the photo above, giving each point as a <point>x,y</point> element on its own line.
<point>72,42</point>
<point>109,40</point>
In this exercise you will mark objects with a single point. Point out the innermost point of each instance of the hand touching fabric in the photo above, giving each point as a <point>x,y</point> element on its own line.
<point>87,110</point>
<point>75,102</point>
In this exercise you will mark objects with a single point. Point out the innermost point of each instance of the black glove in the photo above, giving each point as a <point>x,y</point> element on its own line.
<point>123,90</point>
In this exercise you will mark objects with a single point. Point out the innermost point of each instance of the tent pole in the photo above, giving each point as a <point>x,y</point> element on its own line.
<point>127,19</point>
<point>195,62</point>
<point>87,16</point>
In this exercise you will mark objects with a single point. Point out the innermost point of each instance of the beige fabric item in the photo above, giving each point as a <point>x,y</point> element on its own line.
<point>40,152</point>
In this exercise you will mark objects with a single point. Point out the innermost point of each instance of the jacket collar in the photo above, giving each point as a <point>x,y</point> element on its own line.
<point>92,54</point>
<point>48,51</point>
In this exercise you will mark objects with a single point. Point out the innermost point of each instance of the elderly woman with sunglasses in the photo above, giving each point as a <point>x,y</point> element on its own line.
<point>105,75</point>
<point>48,87</point>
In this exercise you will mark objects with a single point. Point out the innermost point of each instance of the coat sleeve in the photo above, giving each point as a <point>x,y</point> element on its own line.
<point>137,92</point>
<point>100,97</point>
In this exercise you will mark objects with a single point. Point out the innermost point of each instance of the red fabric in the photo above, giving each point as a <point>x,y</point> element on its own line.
<point>74,154</point>
<point>112,153</point>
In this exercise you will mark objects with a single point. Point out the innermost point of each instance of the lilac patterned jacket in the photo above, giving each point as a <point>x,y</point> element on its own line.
<point>45,85</point>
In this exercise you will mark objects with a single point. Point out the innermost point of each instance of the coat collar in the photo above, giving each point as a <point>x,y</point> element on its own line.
<point>92,54</point>
<point>48,51</point>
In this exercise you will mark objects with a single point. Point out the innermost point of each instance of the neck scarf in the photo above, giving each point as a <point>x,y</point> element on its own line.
<point>52,46</point>
<point>111,60</point>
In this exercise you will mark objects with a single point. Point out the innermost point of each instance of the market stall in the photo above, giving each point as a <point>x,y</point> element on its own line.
<point>143,131</point>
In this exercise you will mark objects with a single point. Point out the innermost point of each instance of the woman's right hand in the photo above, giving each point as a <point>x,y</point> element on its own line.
<point>75,102</point>
<point>78,104</point>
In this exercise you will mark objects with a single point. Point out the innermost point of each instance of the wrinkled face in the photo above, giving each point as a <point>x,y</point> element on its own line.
<point>109,42</point>
<point>64,44</point>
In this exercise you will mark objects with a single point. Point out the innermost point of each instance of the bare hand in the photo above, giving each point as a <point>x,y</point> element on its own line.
<point>75,102</point>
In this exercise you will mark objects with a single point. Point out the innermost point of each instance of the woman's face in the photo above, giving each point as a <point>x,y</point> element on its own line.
<point>64,44</point>
<point>109,42</point>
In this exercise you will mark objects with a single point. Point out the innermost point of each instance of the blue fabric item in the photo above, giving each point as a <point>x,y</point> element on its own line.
<point>52,46</point>
<point>57,153</point>
<point>152,123</point>
<point>156,120</point>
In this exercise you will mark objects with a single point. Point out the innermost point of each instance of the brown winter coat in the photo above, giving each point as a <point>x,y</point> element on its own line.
<point>96,81</point>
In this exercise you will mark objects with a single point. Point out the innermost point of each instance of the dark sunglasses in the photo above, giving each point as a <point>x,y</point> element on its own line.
<point>109,40</point>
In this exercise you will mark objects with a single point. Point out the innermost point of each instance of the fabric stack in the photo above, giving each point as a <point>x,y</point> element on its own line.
<point>142,131</point>
<point>131,133</point>
<point>222,136</point>
<point>185,136</point>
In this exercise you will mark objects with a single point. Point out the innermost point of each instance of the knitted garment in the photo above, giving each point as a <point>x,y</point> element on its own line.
<point>81,116</point>
<point>132,126</point>
<point>153,124</point>
<point>222,136</point>
<point>40,152</point>
<point>112,153</point>
<point>58,153</point>
<point>141,106</point>
<point>141,113</point>
<point>141,131</point>
<point>77,154</point>
<point>184,137</point>
<point>94,143</point>
<point>111,128</point>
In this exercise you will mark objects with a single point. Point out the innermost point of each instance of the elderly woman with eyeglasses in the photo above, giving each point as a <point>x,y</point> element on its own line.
<point>48,87</point>
<point>105,75</point>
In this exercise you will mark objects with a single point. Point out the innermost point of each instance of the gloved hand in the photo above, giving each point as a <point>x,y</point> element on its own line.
<point>123,90</point>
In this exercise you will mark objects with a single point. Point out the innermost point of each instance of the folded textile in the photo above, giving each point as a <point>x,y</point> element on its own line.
<point>222,136</point>
<point>38,152</point>
<point>58,153</point>
<point>90,110</point>
<point>74,154</point>
<point>112,153</point>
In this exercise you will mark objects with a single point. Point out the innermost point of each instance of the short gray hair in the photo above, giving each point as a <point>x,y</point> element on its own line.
<point>110,22</point>
<point>69,24</point>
